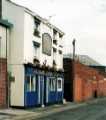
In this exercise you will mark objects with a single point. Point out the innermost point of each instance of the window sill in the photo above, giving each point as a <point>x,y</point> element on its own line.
<point>37,36</point>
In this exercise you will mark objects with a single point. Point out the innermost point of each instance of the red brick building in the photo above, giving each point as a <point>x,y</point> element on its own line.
<point>82,82</point>
<point>3,82</point>
<point>4,39</point>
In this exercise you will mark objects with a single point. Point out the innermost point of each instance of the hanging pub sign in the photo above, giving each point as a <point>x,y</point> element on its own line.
<point>46,44</point>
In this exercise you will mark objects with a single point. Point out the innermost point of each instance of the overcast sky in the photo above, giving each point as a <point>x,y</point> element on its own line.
<point>84,20</point>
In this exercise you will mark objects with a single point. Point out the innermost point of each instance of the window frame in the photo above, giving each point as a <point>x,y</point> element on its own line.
<point>52,84</point>
<point>58,88</point>
<point>32,82</point>
<point>26,81</point>
<point>36,27</point>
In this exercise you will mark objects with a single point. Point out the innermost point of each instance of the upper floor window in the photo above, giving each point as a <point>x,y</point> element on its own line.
<point>36,51</point>
<point>60,52</point>
<point>54,57</point>
<point>37,27</point>
<point>55,42</point>
<point>54,53</point>
<point>60,35</point>
<point>54,34</point>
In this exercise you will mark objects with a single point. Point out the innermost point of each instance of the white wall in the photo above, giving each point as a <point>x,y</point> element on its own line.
<point>28,44</point>
<point>21,47</point>
<point>29,38</point>
<point>15,15</point>
<point>2,42</point>
<point>59,59</point>
<point>17,86</point>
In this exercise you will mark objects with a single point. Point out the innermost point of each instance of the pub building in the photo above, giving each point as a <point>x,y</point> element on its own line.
<point>36,58</point>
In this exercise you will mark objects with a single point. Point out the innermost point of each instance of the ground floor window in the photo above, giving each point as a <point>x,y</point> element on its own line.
<point>27,83</point>
<point>59,84</point>
<point>31,83</point>
<point>52,84</point>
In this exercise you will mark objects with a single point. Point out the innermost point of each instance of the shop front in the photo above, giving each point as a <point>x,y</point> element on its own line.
<point>42,87</point>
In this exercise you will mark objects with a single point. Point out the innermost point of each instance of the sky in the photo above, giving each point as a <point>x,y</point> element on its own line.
<point>84,20</point>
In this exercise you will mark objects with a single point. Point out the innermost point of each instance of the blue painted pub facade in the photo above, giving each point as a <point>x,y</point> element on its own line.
<point>42,87</point>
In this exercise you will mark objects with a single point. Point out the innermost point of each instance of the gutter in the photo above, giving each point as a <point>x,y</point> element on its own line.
<point>7,80</point>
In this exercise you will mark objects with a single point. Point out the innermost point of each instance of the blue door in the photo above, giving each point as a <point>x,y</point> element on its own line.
<point>42,90</point>
<point>52,94</point>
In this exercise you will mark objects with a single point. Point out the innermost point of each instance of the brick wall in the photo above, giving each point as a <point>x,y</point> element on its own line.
<point>3,83</point>
<point>88,83</point>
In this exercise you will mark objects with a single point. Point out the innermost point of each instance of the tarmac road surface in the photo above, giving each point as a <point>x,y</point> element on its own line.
<point>93,111</point>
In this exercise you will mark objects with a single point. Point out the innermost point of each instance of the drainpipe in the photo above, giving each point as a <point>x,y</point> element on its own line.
<point>7,79</point>
<point>73,70</point>
<point>73,49</point>
<point>0,57</point>
<point>43,93</point>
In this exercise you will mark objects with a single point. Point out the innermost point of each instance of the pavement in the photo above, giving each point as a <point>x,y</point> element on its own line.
<point>29,114</point>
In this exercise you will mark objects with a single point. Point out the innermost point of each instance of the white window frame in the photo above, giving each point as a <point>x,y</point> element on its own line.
<point>59,89</point>
<point>36,25</point>
<point>34,83</point>
<point>35,51</point>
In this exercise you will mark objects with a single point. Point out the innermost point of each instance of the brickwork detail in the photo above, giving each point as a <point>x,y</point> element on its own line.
<point>3,82</point>
<point>88,83</point>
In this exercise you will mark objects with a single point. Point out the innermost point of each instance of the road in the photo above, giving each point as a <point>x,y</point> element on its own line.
<point>5,117</point>
<point>93,111</point>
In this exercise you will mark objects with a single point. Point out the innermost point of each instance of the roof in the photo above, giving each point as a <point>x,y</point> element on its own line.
<point>5,23</point>
<point>84,59</point>
<point>45,21</point>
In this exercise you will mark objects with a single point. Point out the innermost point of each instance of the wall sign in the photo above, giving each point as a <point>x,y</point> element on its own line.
<point>46,44</point>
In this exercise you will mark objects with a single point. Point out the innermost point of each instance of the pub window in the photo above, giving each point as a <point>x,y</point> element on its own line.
<point>27,83</point>
<point>59,84</point>
<point>37,27</point>
<point>54,54</point>
<point>55,42</point>
<point>36,49</point>
<point>52,84</point>
<point>60,52</point>
<point>33,83</point>
<point>54,34</point>
<point>60,35</point>
<point>36,52</point>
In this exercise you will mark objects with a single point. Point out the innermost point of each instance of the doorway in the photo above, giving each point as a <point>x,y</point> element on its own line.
<point>95,94</point>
